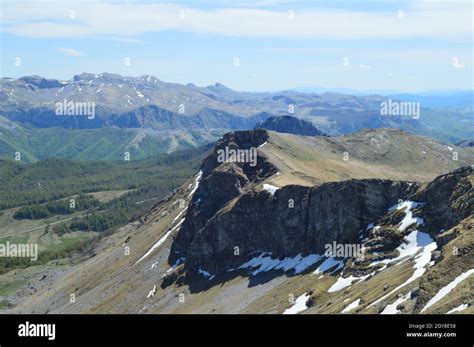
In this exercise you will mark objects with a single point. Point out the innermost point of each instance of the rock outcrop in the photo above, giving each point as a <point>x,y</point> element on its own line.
<point>221,182</point>
<point>449,199</point>
<point>294,220</point>
<point>230,218</point>
<point>290,125</point>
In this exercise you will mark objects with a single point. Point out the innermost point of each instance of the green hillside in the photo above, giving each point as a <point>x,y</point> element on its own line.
<point>93,144</point>
<point>52,179</point>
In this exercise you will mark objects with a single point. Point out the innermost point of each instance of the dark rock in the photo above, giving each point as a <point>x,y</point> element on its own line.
<point>401,307</point>
<point>449,199</point>
<point>229,211</point>
<point>465,143</point>
<point>256,221</point>
<point>290,125</point>
<point>310,302</point>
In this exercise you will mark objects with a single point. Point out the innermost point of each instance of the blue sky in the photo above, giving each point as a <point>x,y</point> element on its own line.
<point>397,45</point>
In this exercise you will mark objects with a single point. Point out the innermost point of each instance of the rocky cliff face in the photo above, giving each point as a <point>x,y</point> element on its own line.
<point>238,223</point>
<point>230,218</point>
<point>294,220</point>
<point>449,199</point>
<point>220,183</point>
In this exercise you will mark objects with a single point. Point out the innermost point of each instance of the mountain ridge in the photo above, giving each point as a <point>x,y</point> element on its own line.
<point>185,245</point>
<point>290,125</point>
<point>116,97</point>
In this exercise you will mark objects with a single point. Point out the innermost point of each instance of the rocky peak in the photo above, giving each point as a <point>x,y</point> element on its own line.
<point>234,140</point>
<point>449,199</point>
<point>465,143</point>
<point>41,82</point>
<point>290,125</point>
<point>219,88</point>
<point>230,210</point>
<point>84,77</point>
<point>221,182</point>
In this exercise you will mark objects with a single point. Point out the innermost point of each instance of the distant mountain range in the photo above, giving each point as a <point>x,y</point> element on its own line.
<point>146,115</point>
<point>432,99</point>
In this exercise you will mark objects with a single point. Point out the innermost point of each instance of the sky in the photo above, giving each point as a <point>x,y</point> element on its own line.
<point>262,45</point>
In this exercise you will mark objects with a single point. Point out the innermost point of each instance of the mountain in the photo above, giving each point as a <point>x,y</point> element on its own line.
<point>431,99</point>
<point>440,99</point>
<point>465,143</point>
<point>163,109</point>
<point>289,125</point>
<point>252,235</point>
<point>109,143</point>
<point>351,91</point>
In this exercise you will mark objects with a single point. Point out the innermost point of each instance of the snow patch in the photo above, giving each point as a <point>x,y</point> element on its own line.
<point>413,242</point>
<point>179,215</point>
<point>351,306</point>
<point>269,188</point>
<point>264,262</point>
<point>342,282</point>
<point>160,241</point>
<point>421,260</point>
<point>459,308</point>
<point>299,305</point>
<point>392,308</point>
<point>447,289</point>
<point>408,219</point>
<point>196,183</point>
<point>152,292</point>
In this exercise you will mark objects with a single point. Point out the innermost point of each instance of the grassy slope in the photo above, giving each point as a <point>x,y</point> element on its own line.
<point>371,154</point>
<point>447,125</point>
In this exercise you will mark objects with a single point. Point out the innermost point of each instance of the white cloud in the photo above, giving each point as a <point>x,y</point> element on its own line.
<point>70,52</point>
<point>101,18</point>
